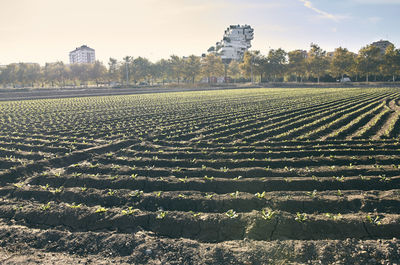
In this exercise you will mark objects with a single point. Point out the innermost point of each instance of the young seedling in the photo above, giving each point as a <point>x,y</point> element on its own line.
<point>101,210</point>
<point>364,177</point>
<point>287,180</point>
<point>383,178</point>
<point>300,217</point>
<point>114,177</point>
<point>158,194</point>
<point>267,214</point>
<point>208,178</point>
<point>184,180</point>
<point>312,194</point>
<point>83,189</point>
<point>111,192</point>
<point>234,194</point>
<point>224,169</point>
<point>74,206</point>
<point>19,185</point>
<point>137,193</point>
<point>45,187</point>
<point>340,179</point>
<point>182,196</point>
<point>45,207</point>
<point>161,214</point>
<point>260,195</point>
<point>57,190</point>
<point>231,214</point>
<point>133,176</point>
<point>339,193</point>
<point>373,220</point>
<point>237,178</point>
<point>209,196</point>
<point>195,215</point>
<point>130,211</point>
<point>333,217</point>
<point>313,177</point>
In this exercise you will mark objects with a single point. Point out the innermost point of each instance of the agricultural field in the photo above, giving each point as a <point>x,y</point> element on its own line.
<point>244,176</point>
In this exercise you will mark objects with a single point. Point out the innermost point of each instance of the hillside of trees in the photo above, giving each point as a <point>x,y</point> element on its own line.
<point>370,64</point>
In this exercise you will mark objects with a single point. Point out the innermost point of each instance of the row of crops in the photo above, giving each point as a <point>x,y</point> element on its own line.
<point>215,166</point>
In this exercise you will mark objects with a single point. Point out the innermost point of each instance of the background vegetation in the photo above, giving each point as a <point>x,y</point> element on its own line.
<point>370,64</point>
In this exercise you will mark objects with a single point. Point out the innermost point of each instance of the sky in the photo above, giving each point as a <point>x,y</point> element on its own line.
<point>47,30</point>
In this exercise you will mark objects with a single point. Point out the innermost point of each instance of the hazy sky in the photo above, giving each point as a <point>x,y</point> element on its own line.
<point>47,30</point>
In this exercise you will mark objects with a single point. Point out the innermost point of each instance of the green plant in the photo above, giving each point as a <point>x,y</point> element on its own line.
<point>111,192</point>
<point>19,185</point>
<point>101,210</point>
<point>45,187</point>
<point>313,177</point>
<point>260,195</point>
<point>383,178</point>
<point>340,179</point>
<point>184,180</point>
<point>208,178</point>
<point>57,190</point>
<point>133,176</point>
<point>137,193</point>
<point>339,193</point>
<point>333,217</point>
<point>267,214</point>
<point>312,194</point>
<point>301,217</point>
<point>161,214</point>
<point>74,206</point>
<point>195,215</point>
<point>231,214</point>
<point>209,195</point>
<point>373,220</point>
<point>234,194</point>
<point>45,207</point>
<point>129,211</point>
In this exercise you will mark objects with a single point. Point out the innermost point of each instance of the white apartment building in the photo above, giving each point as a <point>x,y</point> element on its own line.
<point>82,54</point>
<point>237,40</point>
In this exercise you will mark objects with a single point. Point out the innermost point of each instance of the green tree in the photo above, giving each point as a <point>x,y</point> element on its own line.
<point>277,63</point>
<point>141,69</point>
<point>22,70</point>
<point>113,73</point>
<point>33,74</point>
<point>317,61</point>
<point>297,63</point>
<point>212,65</point>
<point>162,69</point>
<point>253,64</point>
<point>342,62</point>
<point>9,74</point>
<point>234,70</point>
<point>391,62</point>
<point>176,67</point>
<point>368,61</point>
<point>192,67</point>
<point>97,72</point>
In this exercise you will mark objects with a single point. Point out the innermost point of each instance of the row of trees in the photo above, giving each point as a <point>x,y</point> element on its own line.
<point>277,65</point>
<point>316,64</point>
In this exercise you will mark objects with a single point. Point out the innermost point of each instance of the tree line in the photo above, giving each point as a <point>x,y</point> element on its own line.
<point>314,65</point>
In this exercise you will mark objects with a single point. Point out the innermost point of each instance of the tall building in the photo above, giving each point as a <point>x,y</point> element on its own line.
<point>382,45</point>
<point>82,54</point>
<point>236,40</point>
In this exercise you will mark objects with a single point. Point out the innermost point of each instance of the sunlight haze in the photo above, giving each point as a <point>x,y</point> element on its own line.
<point>47,30</point>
